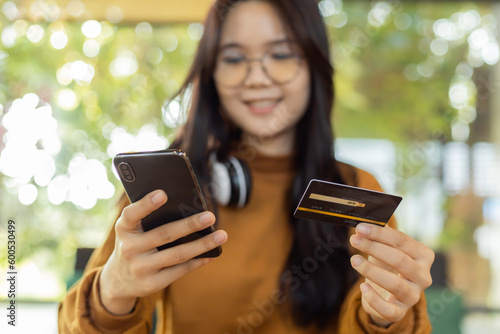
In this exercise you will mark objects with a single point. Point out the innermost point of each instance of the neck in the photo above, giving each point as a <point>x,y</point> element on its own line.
<point>276,145</point>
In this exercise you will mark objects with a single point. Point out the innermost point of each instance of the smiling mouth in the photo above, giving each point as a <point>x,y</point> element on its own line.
<point>262,106</point>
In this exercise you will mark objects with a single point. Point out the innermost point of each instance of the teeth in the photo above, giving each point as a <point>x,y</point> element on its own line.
<point>262,104</point>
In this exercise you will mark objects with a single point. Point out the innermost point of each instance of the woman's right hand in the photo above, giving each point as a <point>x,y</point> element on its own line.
<point>136,268</point>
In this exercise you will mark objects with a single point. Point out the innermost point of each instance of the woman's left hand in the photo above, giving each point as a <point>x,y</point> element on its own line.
<point>396,272</point>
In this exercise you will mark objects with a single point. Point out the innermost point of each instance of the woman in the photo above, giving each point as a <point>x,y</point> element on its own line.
<point>262,92</point>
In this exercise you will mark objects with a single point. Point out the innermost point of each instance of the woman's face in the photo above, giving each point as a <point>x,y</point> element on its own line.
<point>266,106</point>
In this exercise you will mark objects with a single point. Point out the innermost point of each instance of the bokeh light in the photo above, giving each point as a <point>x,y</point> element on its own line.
<point>425,69</point>
<point>75,8</point>
<point>91,28</point>
<point>459,95</point>
<point>143,30</point>
<point>478,39</point>
<point>328,8</point>
<point>35,33</point>
<point>379,14</point>
<point>63,75</point>
<point>464,70</point>
<point>87,182</point>
<point>27,194</point>
<point>439,47</point>
<point>154,55</point>
<point>9,36</point>
<point>460,131</point>
<point>44,10</point>
<point>402,21</point>
<point>468,114</point>
<point>59,40</point>
<point>107,33</point>
<point>46,168</point>
<point>338,20</point>
<point>38,283</point>
<point>469,20</point>
<point>172,115</point>
<point>147,139</point>
<point>57,189</point>
<point>81,72</point>
<point>9,9</point>
<point>170,43</point>
<point>67,99</point>
<point>31,142</point>
<point>124,65</point>
<point>114,14</point>
<point>20,26</point>
<point>447,30</point>
<point>490,53</point>
<point>91,48</point>
<point>195,31</point>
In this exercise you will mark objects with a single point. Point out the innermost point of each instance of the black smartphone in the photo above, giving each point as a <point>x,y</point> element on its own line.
<point>171,171</point>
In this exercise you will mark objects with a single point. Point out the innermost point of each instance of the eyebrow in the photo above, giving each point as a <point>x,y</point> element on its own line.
<point>237,45</point>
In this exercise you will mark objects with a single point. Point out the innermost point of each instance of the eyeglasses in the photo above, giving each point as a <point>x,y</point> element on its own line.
<point>281,65</point>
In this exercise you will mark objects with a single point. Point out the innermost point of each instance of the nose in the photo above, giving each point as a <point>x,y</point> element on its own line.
<point>257,76</point>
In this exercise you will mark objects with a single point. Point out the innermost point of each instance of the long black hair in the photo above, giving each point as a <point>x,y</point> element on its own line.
<point>315,300</point>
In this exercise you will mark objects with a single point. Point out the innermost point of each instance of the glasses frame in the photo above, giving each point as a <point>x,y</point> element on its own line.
<point>298,57</point>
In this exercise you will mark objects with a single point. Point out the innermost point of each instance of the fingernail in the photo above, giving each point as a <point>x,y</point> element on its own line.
<point>364,288</point>
<point>363,229</point>
<point>206,218</point>
<point>158,198</point>
<point>219,238</point>
<point>355,240</point>
<point>356,261</point>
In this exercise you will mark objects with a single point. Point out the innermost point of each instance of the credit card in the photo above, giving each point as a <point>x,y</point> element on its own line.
<point>340,204</point>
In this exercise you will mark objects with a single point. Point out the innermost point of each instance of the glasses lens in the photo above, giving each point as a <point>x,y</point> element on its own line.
<point>231,70</point>
<point>282,66</point>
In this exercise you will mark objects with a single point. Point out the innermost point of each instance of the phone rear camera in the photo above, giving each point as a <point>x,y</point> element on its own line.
<point>126,172</point>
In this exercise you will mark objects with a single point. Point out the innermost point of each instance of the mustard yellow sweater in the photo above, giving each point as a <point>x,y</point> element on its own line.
<point>238,293</point>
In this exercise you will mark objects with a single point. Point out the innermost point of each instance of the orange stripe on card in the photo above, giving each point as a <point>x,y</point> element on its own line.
<point>341,216</point>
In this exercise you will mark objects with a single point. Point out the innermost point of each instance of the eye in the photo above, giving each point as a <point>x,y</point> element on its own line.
<point>232,60</point>
<point>284,51</point>
<point>282,55</point>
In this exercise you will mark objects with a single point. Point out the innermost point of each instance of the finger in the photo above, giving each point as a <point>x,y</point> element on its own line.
<point>132,214</point>
<point>396,259</point>
<point>173,273</point>
<point>182,253</point>
<point>395,239</point>
<point>172,231</point>
<point>399,287</point>
<point>387,310</point>
<point>155,281</point>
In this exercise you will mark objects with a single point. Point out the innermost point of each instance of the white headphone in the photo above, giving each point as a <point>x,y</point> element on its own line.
<point>232,181</point>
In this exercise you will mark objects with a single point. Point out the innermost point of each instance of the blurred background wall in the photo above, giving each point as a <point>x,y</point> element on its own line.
<point>417,104</point>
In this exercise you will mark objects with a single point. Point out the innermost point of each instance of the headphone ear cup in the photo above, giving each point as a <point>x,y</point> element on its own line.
<point>241,182</point>
<point>232,182</point>
<point>221,183</point>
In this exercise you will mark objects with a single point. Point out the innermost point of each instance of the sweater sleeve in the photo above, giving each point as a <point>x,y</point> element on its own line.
<point>81,311</point>
<point>353,318</point>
